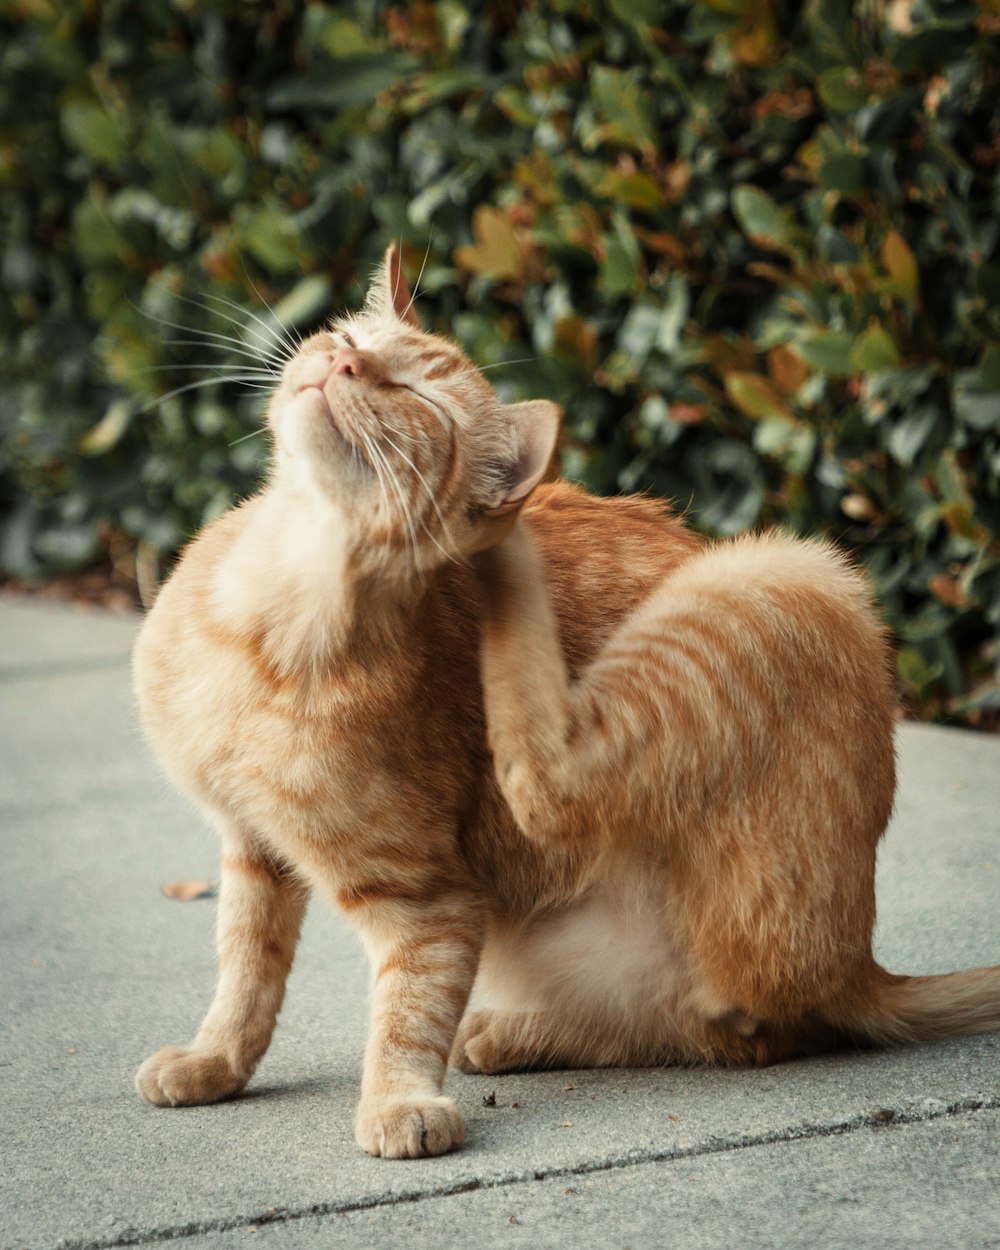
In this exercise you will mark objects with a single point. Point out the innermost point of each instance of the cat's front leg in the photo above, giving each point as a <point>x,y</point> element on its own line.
<point>259,917</point>
<point>424,961</point>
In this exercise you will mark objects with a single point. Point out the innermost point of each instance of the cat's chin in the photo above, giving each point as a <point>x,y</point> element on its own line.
<point>310,404</point>
<point>313,435</point>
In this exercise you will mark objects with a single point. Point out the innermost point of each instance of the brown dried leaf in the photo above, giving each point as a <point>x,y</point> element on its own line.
<point>787,369</point>
<point>499,251</point>
<point>185,891</point>
<point>947,590</point>
<point>688,414</point>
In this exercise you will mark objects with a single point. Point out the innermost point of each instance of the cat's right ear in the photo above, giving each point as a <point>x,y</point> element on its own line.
<point>535,426</point>
<point>397,292</point>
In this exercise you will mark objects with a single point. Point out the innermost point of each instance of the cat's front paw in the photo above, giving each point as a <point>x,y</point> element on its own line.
<point>175,1077</point>
<point>409,1128</point>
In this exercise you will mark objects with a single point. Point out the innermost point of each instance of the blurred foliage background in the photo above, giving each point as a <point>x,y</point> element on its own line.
<point>752,247</point>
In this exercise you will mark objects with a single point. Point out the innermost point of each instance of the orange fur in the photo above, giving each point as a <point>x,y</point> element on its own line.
<point>622,785</point>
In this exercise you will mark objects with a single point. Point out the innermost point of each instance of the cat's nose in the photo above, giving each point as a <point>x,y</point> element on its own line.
<point>347,362</point>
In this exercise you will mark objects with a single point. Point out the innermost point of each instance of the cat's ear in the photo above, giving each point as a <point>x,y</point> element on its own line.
<point>535,426</point>
<point>397,292</point>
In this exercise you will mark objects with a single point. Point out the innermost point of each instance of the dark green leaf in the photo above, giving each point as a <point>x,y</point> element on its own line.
<point>353,80</point>
<point>830,352</point>
<point>762,220</point>
<point>974,405</point>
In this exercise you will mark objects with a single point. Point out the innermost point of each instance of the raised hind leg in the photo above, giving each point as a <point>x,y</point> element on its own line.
<point>578,757</point>
<point>549,761</point>
<point>731,734</point>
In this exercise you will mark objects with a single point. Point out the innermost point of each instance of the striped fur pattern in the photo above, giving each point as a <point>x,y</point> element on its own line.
<point>591,790</point>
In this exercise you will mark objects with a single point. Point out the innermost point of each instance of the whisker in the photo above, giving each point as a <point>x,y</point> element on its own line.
<point>250,344</point>
<point>203,382</point>
<point>404,506</point>
<point>267,346</point>
<point>430,495</point>
<point>499,364</point>
<point>291,341</point>
<point>243,438</point>
<point>261,373</point>
<point>398,491</point>
<point>234,350</point>
<point>211,338</point>
<point>238,323</point>
<point>416,285</point>
<point>371,460</point>
<point>377,465</point>
<point>399,270</point>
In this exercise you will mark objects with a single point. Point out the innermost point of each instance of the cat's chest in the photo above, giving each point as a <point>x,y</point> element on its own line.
<point>333,761</point>
<point>307,744</point>
<point>318,747</point>
<point>336,779</point>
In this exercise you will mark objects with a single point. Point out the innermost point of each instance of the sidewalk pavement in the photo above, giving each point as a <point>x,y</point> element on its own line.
<point>98,968</point>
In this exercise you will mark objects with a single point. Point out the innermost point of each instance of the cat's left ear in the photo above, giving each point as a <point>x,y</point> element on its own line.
<point>535,426</point>
<point>397,293</point>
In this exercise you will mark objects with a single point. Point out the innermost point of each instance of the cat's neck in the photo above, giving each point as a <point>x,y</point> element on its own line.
<point>293,581</point>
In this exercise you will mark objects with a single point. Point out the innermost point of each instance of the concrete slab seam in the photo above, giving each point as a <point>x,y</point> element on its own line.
<point>926,1111</point>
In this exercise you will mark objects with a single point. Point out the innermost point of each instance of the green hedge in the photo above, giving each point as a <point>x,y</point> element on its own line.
<point>751,246</point>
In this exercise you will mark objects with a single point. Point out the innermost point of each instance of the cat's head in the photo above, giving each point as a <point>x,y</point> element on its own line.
<point>399,431</point>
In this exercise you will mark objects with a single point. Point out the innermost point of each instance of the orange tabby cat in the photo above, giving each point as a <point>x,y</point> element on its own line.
<point>669,855</point>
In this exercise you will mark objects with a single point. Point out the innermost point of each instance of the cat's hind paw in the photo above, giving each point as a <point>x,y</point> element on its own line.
<point>485,1044</point>
<point>409,1128</point>
<point>175,1077</point>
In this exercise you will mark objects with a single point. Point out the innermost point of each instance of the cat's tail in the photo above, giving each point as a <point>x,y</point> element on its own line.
<point>897,1010</point>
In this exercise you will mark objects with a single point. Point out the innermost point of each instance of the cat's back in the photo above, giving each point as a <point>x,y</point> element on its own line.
<point>596,533</point>
<point>603,557</point>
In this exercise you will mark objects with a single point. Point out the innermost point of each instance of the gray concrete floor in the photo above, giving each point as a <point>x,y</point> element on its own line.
<point>98,968</point>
